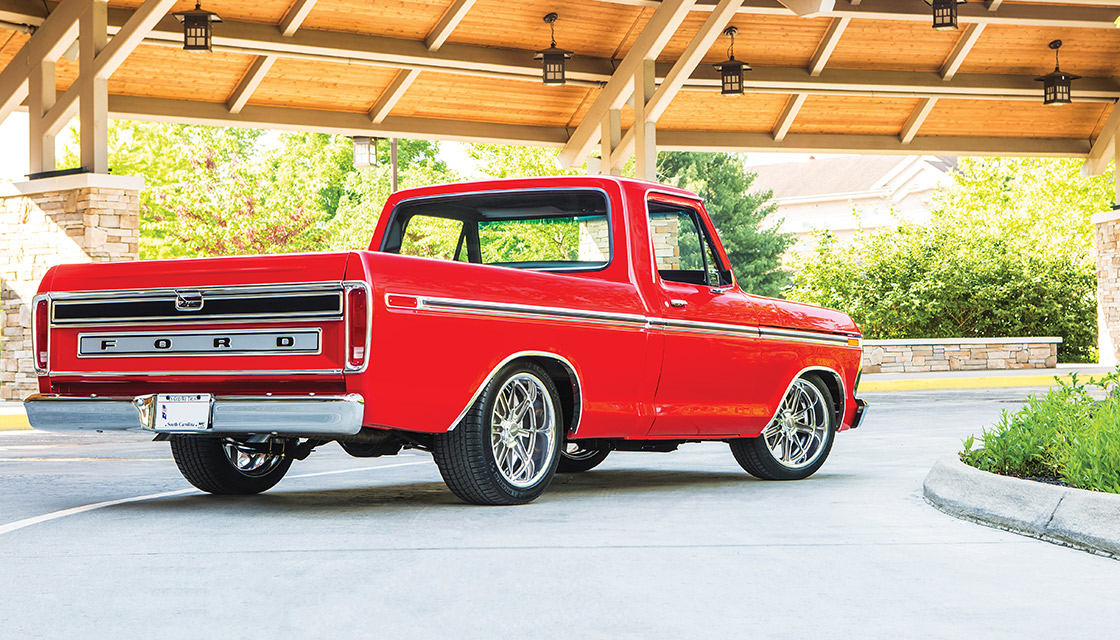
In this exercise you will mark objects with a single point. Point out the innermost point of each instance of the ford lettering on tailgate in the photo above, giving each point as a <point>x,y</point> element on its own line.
<point>196,343</point>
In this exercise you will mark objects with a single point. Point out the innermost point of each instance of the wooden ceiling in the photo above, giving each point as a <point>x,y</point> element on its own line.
<point>866,76</point>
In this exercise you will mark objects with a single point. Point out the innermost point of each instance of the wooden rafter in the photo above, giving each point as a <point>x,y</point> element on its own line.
<point>828,45</point>
<point>249,83</point>
<point>392,94</point>
<point>1105,146</point>
<point>917,119</point>
<point>295,16</point>
<point>656,34</point>
<point>451,19</point>
<point>789,114</point>
<point>964,45</point>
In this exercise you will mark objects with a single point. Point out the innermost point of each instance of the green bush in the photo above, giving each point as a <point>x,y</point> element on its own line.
<point>1065,434</point>
<point>946,281</point>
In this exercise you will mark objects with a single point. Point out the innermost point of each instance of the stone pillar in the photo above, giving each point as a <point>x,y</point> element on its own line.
<point>78,218</point>
<point>1107,242</point>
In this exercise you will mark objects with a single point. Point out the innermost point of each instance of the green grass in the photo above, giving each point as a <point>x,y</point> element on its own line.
<point>1066,435</point>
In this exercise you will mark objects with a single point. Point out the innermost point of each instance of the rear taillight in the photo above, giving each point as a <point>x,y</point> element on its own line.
<point>40,343</point>
<point>357,335</point>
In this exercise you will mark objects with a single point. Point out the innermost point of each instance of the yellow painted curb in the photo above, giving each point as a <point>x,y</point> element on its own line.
<point>989,382</point>
<point>13,422</point>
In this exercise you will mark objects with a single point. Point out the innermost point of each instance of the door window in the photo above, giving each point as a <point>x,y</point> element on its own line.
<point>682,248</point>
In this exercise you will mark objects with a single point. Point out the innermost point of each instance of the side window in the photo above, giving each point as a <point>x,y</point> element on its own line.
<point>681,248</point>
<point>432,237</point>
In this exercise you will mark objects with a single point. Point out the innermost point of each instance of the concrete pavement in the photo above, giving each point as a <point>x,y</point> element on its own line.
<point>649,545</point>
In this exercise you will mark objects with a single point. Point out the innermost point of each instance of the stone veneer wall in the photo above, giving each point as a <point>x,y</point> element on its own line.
<point>81,218</point>
<point>1108,285</point>
<point>959,354</point>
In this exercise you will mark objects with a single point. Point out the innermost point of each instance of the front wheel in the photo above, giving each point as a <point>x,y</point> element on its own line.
<point>225,466</point>
<point>797,441</point>
<point>505,450</point>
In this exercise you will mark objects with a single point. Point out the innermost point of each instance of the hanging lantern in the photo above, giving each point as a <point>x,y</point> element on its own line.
<point>197,27</point>
<point>1056,85</point>
<point>944,14</point>
<point>731,70</point>
<point>365,151</point>
<point>553,58</point>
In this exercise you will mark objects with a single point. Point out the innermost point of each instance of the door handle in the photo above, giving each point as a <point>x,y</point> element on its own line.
<point>678,303</point>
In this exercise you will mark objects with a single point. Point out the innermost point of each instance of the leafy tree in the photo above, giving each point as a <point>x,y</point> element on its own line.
<point>1008,253</point>
<point>508,161</point>
<point>720,178</point>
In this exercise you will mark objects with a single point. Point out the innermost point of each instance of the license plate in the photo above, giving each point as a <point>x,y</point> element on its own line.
<point>189,412</point>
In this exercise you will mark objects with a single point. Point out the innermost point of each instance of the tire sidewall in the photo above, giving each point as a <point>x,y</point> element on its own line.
<point>786,473</point>
<point>486,408</point>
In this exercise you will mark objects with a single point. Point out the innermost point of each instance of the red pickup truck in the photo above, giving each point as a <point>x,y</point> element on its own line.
<point>512,328</point>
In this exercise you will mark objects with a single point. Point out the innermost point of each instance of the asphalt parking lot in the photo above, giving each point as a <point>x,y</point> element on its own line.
<point>647,545</point>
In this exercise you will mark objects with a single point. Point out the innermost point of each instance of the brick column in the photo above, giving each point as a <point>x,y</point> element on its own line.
<point>1107,243</point>
<point>79,218</point>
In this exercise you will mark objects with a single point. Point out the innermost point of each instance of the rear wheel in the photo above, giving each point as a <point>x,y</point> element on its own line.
<point>799,438</point>
<point>505,450</point>
<point>575,458</point>
<point>226,466</point>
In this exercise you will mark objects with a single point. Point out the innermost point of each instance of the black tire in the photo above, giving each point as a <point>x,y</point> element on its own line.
<point>756,456</point>
<point>581,459</point>
<point>204,462</point>
<point>466,455</point>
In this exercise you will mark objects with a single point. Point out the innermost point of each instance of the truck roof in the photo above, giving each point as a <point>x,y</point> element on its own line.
<point>533,182</point>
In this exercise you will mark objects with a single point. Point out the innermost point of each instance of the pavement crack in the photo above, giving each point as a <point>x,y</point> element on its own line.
<point>1046,527</point>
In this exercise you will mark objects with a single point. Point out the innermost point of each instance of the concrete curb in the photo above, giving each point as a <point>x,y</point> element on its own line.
<point>986,382</point>
<point>13,418</point>
<point>1086,520</point>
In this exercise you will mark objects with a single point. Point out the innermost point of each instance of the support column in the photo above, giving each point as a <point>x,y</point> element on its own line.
<point>93,92</point>
<point>645,128</point>
<point>76,218</point>
<point>1108,277</point>
<point>40,99</point>
<point>609,138</point>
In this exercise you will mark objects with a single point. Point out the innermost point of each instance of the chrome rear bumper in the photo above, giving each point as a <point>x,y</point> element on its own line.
<point>311,416</point>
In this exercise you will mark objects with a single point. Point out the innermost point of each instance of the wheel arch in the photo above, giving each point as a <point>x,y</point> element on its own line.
<point>563,374</point>
<point>831,379</point>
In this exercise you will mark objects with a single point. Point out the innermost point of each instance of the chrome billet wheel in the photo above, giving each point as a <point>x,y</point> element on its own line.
<point>522,430</point>
<point>249,462</point>
<point>799,438</point>
<point>797,435</point>
<point>506,448</point>
<point>575,457</point>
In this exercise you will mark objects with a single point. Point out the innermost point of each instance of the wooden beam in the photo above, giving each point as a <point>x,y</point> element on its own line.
<point>128,36</point>
<point>994,4</point>
<point>874,145</point>
<point>297,13</point>
<point>41,96</point>
<point>1104,147</point>
<point>964,45</point>
<point>451,19</point>
<point>808,8</point>
<point>93,90</point>
<point>249,83</point>
<point>58,30</point>
<point>785,121</point>
<point>255,116</point>
<point>645,125</point>
<point>1087,14</point>
<point>828,45</point>
<point>910,129</point>
<point>656,34</point>
<point>392,94</point>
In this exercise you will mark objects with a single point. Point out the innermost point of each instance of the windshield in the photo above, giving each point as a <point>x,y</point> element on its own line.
<point>549,230</point>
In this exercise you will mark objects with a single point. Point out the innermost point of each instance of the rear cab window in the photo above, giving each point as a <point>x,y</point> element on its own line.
<point>542,230</point>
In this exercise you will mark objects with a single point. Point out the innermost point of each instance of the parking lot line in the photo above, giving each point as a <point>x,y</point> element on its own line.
<point>46,517</point>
